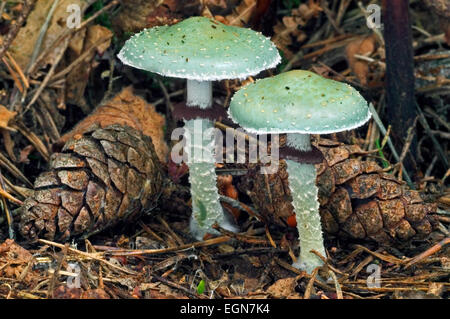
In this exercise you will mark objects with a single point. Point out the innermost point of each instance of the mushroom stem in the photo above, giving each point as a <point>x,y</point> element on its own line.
<point>302,183</point>
<point>199,93</point>
<point>299,141</point>
<point>206,207</point>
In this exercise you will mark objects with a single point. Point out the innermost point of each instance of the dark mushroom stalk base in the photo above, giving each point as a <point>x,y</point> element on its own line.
<point>302,183</point>
<point>206,207</point>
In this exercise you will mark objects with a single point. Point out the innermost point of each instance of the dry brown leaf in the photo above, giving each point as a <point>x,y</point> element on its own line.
<point>95,36</point>
<point>226,187</point>
<point>13,260</point>
<point>136,15</point>
<point>442,9</point>
<point>24,153</point>
<point>158,290</point>
<point>241,14</point>
<point>284,31</point>
<point>164,14</point>
<point>362,46</point>
<point>5,116</point>
<point>214,4</point>
<point>284,288</point>
<point>24,44</point>
<point>290,26</point>
<point>64,292</point>
<point>94,294</point>
<point>127,109</point>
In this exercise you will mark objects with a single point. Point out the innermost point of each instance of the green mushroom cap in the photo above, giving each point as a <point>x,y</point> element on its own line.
<point>298,102</point>
<point>200,49</point>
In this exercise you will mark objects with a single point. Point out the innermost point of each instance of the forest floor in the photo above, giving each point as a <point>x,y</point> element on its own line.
<point>53,75</point>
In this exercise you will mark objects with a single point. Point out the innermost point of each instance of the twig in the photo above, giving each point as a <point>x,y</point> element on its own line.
<point>426,126</point>
<point>336,285</point>
<point>78,60</point>
<point>171,95</point>
<point>428,252</point>
<point>10,197</point>
<point>51,286</point>
<point>310,285</point>
<point>150,232</point>
<point>237,204</point>
<point>366,16</point>
<point>430,168</point>
<point>439,119</point>
<point>241,237</point>
<point>251,251</point>
<point>177,286</point>
<point>386,258</point>
<point>42,32</point>
<point>389,142</point>
<point>18,69</point>
<point>46,79</point>
<point>329,14</point>
<point>409,138</point>
<point>205,243</point>
<point>5,162</point>
<point>67,33</point>
<point>172,233</point>
<point>95,256</point>
<point>441,134</point>
<point>32,137</point>
<point>9,38</point>
<point>13,75</point>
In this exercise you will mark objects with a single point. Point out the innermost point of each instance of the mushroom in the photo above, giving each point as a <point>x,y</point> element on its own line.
<point>201,50</point>
<point>300,103</point>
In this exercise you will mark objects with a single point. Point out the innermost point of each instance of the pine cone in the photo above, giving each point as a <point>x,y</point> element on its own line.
<point>101,177</point>
<point>356,198</point>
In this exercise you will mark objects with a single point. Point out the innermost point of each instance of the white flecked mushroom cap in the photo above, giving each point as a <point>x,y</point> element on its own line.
<point>200,49</point>
<point>298,102</point>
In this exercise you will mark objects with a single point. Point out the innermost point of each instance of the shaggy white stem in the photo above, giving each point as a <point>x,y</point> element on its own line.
<point>199,93</point>
<point>302,183</point>
<point>301,142</point>
<point>206,208</point>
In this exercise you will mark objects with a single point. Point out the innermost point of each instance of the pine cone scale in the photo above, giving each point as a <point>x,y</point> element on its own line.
<point>103,177</point>
<point>356,197</point>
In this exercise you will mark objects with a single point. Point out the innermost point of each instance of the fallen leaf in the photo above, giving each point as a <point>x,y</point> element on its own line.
<point>13,260</point>
<point>5,116</point>
<point>64,292</point>
<point>214,4</point>
<point>164,14</point>
<point>136,15</point>
<point>94,294</point>
<point>176,171</point>
<point>24,153</point>
<point>362,46</point>
<point>289,27</point>
<point>24,44</point>
<point>96,40</point>
<point>225,186</point>
<point>241,14</point>
<point>284,288</point>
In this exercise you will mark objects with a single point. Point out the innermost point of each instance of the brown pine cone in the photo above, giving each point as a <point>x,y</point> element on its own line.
<point>101,177</point>
<point>356,198</point>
